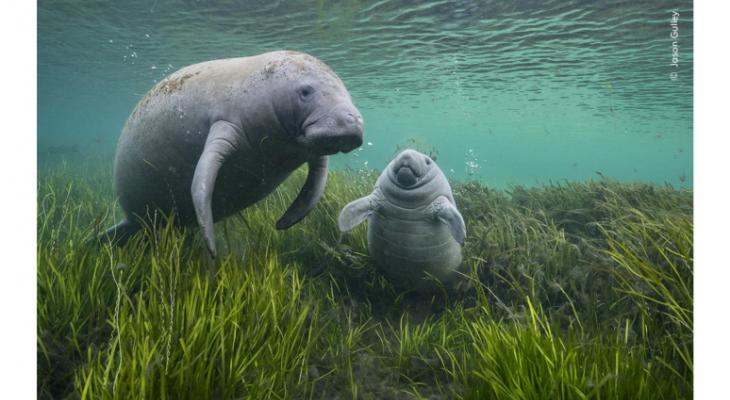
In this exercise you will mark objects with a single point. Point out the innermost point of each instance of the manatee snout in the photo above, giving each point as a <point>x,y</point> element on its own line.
<point>409,166</point>
<point>406,176</point>
<point>341,130</point>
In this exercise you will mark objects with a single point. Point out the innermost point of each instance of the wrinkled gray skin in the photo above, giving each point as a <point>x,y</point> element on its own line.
<point>415,232</point>
<point>216,137</point>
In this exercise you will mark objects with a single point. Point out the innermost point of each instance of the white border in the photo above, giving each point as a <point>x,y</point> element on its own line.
<point>711,181</point>
<point>18,197</point>
<point>18,171</point>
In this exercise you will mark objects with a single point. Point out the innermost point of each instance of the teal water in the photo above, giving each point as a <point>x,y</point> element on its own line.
<point>505,92</point>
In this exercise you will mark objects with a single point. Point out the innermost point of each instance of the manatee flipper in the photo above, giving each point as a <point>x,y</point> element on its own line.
<point>447,213</point>
<point>309,195</point>
<point>222,141</point>
<point>355,212</point>
<point>119,233</point>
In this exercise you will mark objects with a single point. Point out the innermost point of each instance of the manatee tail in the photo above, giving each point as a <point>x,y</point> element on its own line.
<point>119,233</point>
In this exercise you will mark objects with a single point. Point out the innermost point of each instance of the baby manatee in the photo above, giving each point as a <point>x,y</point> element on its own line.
<point>415,232</point>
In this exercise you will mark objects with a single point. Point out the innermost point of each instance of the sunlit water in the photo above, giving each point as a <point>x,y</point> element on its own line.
<point>506,92</point>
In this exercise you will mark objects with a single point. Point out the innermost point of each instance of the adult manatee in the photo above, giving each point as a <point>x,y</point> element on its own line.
<point>216,137</point>
<point>415,231</point>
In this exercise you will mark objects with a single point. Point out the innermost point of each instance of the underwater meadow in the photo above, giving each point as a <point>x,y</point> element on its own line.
<point>579,290</point>
<point>565,129</point>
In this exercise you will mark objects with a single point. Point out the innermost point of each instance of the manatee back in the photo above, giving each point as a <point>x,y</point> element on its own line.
<point>165,134</point>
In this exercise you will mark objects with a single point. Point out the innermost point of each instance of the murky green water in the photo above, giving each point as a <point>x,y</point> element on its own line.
<point>504,91</point>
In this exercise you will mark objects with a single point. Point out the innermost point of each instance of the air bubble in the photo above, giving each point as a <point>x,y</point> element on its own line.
<point>472,166</point>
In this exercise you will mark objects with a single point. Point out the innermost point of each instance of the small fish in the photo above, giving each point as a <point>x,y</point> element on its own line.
<point>546,131</point>
<point>683,177</point>
<point>599,173</point>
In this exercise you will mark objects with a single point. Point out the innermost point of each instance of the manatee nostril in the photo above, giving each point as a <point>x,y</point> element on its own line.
<point>351,118</point>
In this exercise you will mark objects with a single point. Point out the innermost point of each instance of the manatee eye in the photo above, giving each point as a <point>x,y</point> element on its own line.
<point>428,161</point>
<point>305,91</point>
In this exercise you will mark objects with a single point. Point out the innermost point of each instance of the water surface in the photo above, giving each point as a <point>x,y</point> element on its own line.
<point>505,92</point>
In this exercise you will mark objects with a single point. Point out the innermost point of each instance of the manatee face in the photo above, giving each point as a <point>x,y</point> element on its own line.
<point>411,169</point>
<point>314,105</point>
